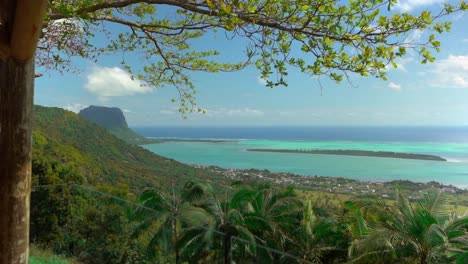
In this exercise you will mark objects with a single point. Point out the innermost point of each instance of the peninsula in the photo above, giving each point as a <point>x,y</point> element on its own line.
<point>367,153</point>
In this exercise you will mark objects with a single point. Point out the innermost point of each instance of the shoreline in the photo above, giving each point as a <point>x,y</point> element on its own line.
<point>338,185</point>
<point>361,153</point>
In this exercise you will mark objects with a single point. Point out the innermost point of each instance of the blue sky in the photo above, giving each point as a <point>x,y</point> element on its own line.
<point>434,94</point>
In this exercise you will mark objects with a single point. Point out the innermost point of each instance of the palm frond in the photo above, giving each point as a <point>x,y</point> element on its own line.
<point>243,197</point>
<point>359,227</point>
<point>257,223</point>
<point>161,240</point>
<point>247,239</point>
<point>235,216</point>
<point>403,204</point>
<point>154,200</point>
<point>146,224</point>
<point>375,248</point>
<point>191,215</point>
<point>195,243</point>
<point>435,236</point>
<point>193,191</point>
<point>435,202</point>
<point>461,258</point>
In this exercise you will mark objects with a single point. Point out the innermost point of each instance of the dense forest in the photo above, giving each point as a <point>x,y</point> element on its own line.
<point>99,199</point>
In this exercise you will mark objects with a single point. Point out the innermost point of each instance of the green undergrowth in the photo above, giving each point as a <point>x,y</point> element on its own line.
<point>38,255</point>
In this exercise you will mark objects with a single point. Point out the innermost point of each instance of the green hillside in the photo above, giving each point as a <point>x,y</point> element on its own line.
<point>100,157</point>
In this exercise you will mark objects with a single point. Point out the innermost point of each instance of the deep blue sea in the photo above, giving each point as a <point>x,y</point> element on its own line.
<point>448,142</point>
<point>385,134</point>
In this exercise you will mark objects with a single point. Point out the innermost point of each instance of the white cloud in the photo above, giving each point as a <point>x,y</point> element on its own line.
<point>451,72</point>
<point>125,110</point>
<point>261,81</point>
<point>166,112</point>
<point>401,63</point>
<point>234,112</point>
<point>415,37</point>
<point>409,5</point>
<point>74,107</point>
<point>465,40</point>
<point>458,16</point>
<point>394,86</point>
<point>244,112</point>
<point>107,82</point>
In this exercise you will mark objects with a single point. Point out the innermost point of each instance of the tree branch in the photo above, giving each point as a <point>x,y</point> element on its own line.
<point>27,28</point>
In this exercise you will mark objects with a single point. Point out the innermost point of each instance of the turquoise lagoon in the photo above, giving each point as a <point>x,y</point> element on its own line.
<point>234,155</point>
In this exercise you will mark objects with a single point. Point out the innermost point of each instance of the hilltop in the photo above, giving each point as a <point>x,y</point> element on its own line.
<point>102,158</point>
<point>113,119</point>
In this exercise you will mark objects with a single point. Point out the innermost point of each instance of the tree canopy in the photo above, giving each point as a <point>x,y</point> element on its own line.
<point>318,37</point>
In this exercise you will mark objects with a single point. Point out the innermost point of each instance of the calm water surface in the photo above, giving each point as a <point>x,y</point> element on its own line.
<point>450,143</point>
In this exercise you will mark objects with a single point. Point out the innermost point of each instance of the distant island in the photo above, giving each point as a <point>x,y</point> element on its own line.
<point>366,153</point>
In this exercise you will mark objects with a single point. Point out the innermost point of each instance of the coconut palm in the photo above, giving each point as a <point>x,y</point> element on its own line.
<point>167,215</point>
<point>254,215</point>
<point>272,214</point>
<point>318,239</point>
<point>214,238</point>
<point>424,233</point>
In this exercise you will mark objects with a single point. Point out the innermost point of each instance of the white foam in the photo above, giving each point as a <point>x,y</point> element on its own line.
<point>455,160</point>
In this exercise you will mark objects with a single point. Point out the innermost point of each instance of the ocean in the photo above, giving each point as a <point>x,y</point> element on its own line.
<point>450,143</point>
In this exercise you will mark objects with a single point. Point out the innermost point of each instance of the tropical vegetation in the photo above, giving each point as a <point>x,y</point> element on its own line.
<point>425,232</point>
<point>262,224</point>
<point>89,208</point>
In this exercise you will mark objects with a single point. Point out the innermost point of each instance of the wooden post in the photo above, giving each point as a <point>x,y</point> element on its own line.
<point>20,26</point>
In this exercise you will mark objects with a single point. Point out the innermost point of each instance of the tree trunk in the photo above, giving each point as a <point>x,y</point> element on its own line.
<point>227,249</point>
<point>20,27</point>
<point>424,257</point>
<point>16,105</point>
<point>177,256</point>
<point>174,241</point>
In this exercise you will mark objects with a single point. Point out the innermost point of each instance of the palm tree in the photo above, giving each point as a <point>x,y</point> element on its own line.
<point>242,227</point>
<point>424,232</point>
<point>317,239</point>
<point>214,237</point>
<point>270,213</point>
<point>166,215</point>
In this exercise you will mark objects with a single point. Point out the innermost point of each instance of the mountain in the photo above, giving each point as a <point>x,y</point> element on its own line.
<point>113,119</point>
<point>107,117</point>
<point>102,158</point>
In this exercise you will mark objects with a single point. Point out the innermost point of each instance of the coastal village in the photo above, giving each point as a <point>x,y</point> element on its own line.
<point>337,185</point>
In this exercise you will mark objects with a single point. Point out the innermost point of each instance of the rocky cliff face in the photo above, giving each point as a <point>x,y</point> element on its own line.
<point>108,117</point>
<point>113,119</point>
